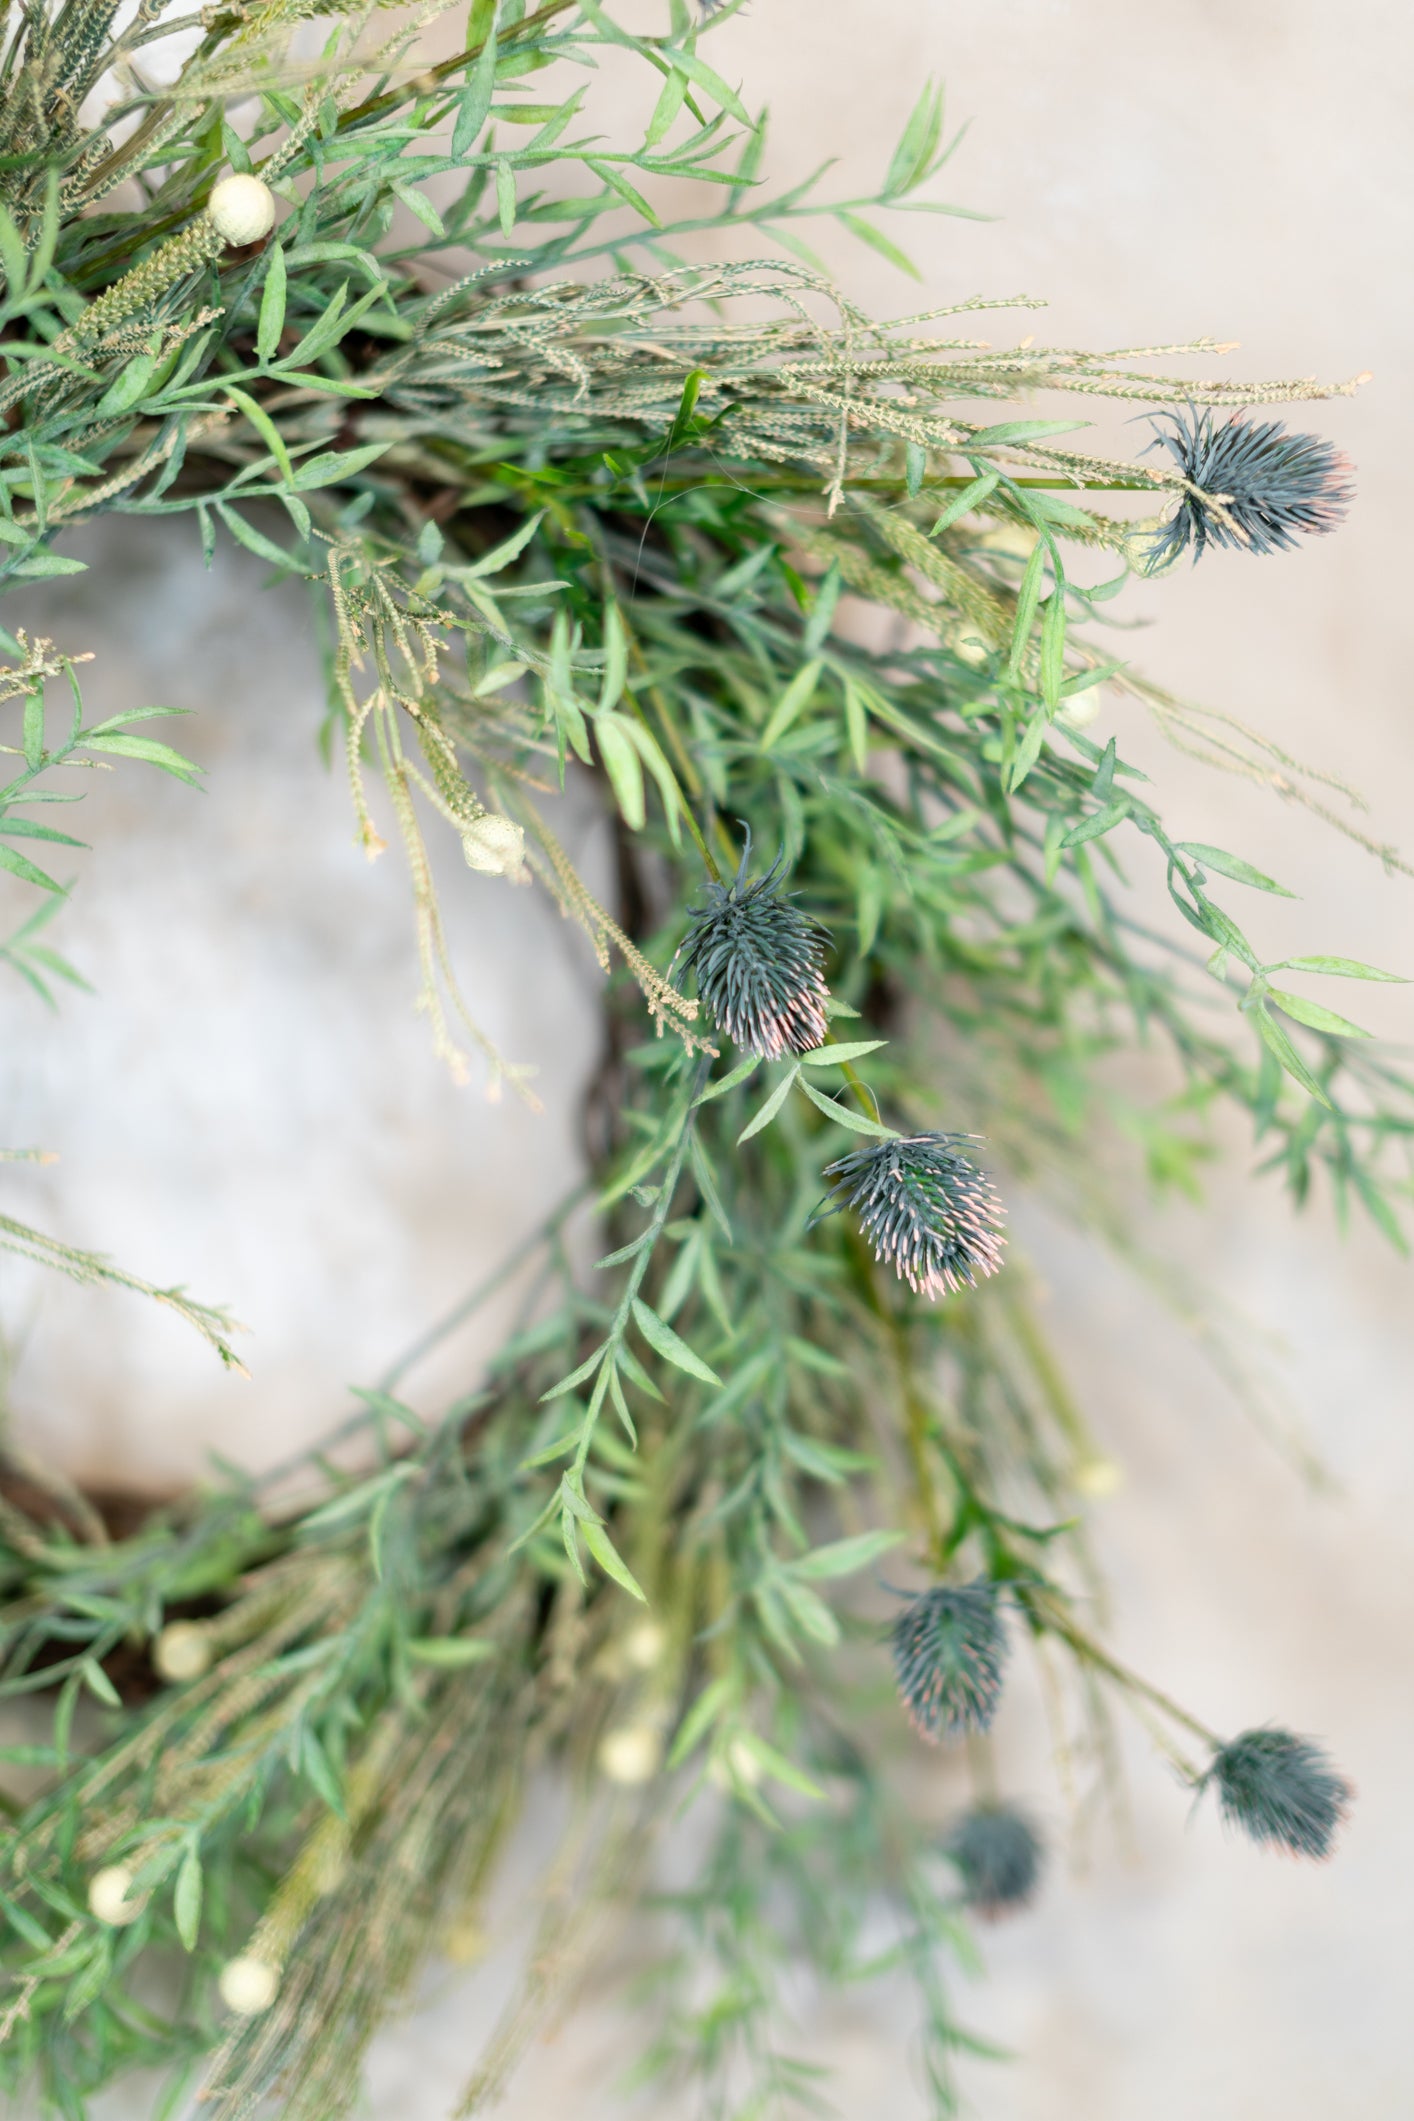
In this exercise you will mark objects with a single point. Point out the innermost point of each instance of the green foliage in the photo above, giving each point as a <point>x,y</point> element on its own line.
<point>566,496</point>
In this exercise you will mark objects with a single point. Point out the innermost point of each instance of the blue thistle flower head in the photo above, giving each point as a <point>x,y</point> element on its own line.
<point>758,960</point>
<point>924,1207</point>
<point>999,1857</point>
<point>1270,485</point>
<point>1280,1788</point>
<point>949,1651</point>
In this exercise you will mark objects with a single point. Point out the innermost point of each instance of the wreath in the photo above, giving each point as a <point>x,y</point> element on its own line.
<point>824,620</point>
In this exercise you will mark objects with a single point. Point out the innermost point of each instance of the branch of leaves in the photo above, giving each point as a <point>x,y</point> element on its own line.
<point>614,1362</point>
<point>110,738</point>
<point>842,1056</point>
<point>1261,995</point>
<point>1189,862</point>
<point>626,743</point>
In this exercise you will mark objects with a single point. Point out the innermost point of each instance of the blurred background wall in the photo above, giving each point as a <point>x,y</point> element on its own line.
<point>248,1103</point>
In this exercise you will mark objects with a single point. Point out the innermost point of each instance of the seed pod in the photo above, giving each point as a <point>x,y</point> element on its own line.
<point>924,1207</point>
<point>495,846</point>
<point>998,1855</point>
<point>111,1898</point>
<point>248,1986</point>
<point>758,961</point>
<point>1280,1788</point>
<point>182,1651</point>
<point>242,210</point>
<point>1269,485</point>
<point>949,1650</point>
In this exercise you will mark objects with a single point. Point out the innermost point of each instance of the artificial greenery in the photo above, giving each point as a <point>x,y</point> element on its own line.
<point>778,577</point>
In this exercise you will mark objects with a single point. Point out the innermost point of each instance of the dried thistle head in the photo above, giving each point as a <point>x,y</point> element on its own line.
<point>1259,486</point>
<point>923,1206</point>
<point>1280,1788</point>
<point>998,1855</point>
<point>758,960</point>
<point>949,1650</point>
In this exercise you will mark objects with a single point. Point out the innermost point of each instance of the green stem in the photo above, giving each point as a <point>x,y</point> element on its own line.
<point>619,1326</point>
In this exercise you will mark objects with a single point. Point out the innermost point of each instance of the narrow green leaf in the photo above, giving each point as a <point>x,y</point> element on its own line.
<point>606,1554</point>
<point>918,144</point>
<point>505,195</point>
<point>89,1985</point>
<point>777,1766</point>
<point>665,110</point>
<point>792,702</point>
<point>856,727</point>
<point>33,728</point>
<point>255,540</point>
<point>629,193</point>
<point>451,1651</point>
<point>272,305</point>
<point>1053,647</point>
<point>836,1056</point>
<point>1276,1040</point>
<point>99,1684</point>
<point>318,1770</point>
<point>1315,1016</point>
<point>771,1107</point>
<point>265,427</point>
<point>26,870</point>
<point>127,387</point>
<point>843,1556</point>
<point>420,206</point>
<point>500,557</point>
<point>354,1501</point>
<point>707,77</point>
<point>43,566</point>
<point>332,466</point>
<point>729,1082</point>
<point>1095,826</point>
<point>698,1721</point>
<point>576,1377</point>
<point>1341,967</point>
<point>615,658</point>
<point>665,1342</point>
<point>186,1899</point>
<point>1022,431</point>
<point>964,501</point>
<point>843,1116</point>
<point>624,768</point>
<point>150,751</point>
<point>475,105</point>
<point>1231,865</point>
<point>655,759</point>
<point>878,241</point>
<point>1028,598</point>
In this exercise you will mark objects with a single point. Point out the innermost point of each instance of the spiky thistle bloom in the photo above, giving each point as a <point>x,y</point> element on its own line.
<point>758,960</point>
<point>949,1650</point>
<point>998,1855</point>
<point>923,1206</point>
<point>1281,1788</point>
<point>1269,484</point>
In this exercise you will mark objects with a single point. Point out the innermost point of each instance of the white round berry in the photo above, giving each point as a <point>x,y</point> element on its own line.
<point>631,1753</point>
<point>248,1986</point>
<point>1080,710</point>
<point>1099,1477</point>
<point>644,1645</point>
<point>494,845</point>
<point>182,1651</point>
<point>111,1898</point>
<point>243,209</point>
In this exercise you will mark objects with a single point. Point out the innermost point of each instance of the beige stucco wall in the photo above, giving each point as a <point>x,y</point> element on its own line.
<point>250,1105</point>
